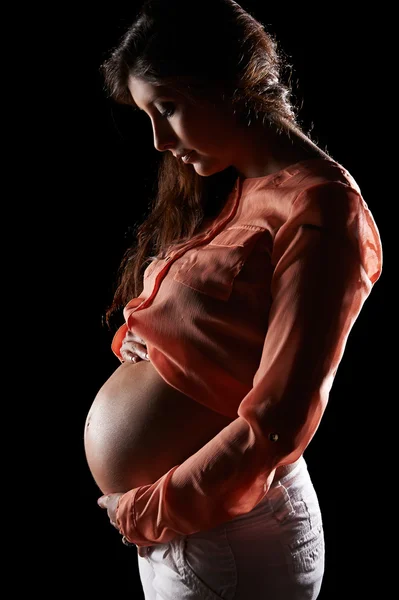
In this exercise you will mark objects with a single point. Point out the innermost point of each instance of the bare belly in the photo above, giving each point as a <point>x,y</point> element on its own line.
<point>139,427</point>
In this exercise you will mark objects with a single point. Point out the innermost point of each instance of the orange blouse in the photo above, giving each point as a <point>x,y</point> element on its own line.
<point>251,318</point>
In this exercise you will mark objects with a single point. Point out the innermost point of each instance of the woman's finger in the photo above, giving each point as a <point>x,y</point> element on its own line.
<point>130,356</point>
<point>134,347</point>
<point>132,337</point>
<point>129,351</point>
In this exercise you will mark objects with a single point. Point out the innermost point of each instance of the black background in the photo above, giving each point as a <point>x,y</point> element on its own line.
<point>107,174</point>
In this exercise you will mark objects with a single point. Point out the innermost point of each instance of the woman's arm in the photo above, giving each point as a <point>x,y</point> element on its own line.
<point>326,258</point>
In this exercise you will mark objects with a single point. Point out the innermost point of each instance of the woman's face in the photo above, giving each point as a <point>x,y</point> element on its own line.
<point>205,130</point>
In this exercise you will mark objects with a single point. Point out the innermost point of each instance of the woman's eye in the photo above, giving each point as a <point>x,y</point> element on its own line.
<point>167,110</point>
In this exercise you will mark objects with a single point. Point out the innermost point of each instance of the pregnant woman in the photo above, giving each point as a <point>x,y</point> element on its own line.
<point>238,299</point>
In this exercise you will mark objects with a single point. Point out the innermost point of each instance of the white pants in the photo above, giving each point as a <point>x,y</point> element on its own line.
<point>274,552</point>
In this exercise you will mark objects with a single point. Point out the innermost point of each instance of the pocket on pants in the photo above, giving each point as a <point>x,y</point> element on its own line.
<point>308,551</point>
<point>207,565</point>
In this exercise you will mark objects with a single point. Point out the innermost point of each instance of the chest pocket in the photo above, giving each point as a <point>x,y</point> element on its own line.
<point>211,269</point>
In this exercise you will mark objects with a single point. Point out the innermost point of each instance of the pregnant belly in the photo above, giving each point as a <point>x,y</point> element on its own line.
<point>139,427</point>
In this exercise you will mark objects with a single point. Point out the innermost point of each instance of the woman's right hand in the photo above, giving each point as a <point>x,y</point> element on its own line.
<point>133,348</point>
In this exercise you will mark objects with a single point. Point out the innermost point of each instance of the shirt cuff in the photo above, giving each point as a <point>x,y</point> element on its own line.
<point>117,341</point>
<point>126,515</point>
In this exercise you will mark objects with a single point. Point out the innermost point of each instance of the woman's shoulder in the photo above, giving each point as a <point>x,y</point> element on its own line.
<point>318,169</point>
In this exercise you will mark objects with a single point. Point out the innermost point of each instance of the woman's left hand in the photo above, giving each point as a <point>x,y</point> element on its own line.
<point>110,502</point>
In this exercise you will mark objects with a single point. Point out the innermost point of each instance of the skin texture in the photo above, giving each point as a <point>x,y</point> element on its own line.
<point>139,427</point>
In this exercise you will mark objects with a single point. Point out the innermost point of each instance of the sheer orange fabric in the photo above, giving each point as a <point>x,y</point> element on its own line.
<point>251,319</point>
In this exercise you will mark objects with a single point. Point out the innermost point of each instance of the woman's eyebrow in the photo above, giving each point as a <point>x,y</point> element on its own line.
<point>160,98</point>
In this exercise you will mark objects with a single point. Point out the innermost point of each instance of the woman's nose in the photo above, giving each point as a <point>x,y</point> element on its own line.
<point>164,137</point>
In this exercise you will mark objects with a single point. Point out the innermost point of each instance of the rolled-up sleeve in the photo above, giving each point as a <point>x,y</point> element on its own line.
<point>326,258</point>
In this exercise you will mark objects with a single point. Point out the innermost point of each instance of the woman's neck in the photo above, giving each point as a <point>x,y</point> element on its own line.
<point>266,151</point>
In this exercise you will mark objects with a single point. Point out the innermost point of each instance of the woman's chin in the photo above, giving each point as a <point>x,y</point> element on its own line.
<point>205,169</point>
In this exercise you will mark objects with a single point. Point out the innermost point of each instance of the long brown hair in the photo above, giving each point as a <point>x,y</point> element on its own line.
<point>225,50</point>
